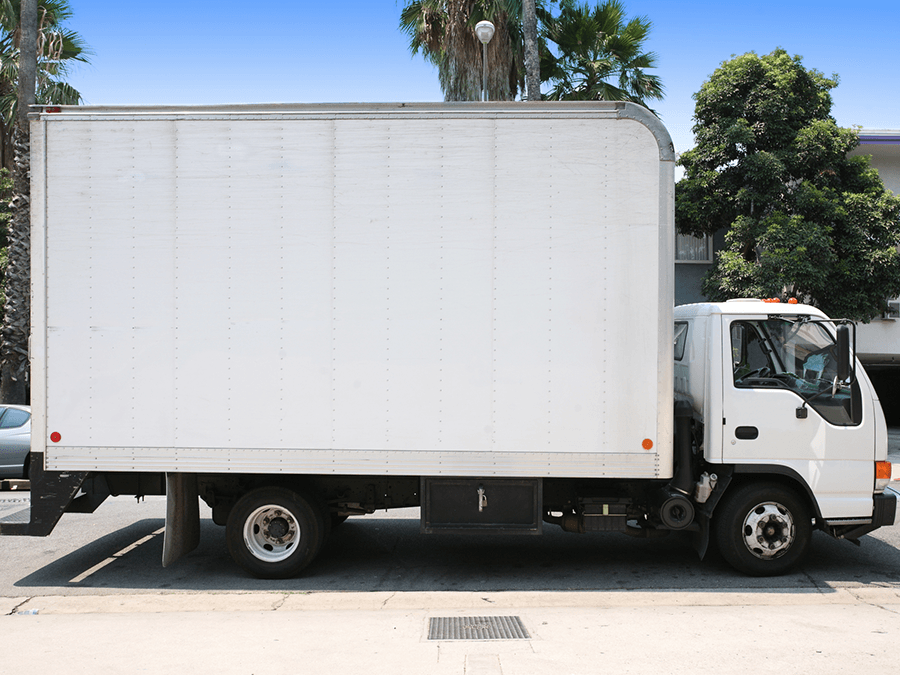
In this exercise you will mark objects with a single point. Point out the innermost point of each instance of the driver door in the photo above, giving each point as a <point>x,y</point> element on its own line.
<point>762,426</point>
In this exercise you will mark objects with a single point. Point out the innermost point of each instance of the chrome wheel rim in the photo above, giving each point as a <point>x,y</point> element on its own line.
<point>768,530</point>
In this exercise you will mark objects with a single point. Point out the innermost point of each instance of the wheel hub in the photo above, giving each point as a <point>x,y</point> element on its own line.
<point>276,528</point>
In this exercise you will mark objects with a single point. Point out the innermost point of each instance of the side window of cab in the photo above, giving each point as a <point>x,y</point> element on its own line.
<point>681,333</point>
<point>748,354</point>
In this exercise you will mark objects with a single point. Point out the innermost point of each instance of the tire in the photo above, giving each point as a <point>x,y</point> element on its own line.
<point>763,529</point>
<point>274,533</point>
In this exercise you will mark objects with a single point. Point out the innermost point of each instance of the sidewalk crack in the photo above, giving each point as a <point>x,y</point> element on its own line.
<point>863,601</point>
<point>16,609</point>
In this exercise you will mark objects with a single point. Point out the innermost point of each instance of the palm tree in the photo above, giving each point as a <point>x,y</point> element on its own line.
<point>598,55</point>
<point>58,49</point>
<point>41,55</point>
<point>443,31</point>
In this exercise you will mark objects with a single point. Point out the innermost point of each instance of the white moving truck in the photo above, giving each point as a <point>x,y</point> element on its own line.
<point>302,313</point>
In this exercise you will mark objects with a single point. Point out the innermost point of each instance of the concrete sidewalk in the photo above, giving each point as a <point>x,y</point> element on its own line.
<point>793,631</point>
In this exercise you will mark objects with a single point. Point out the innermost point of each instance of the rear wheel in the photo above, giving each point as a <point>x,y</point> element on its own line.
<point>274,533</point>
<point>763,529</point>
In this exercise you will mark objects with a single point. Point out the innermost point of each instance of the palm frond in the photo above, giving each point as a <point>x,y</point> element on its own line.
<point>60,93</point>
<point>599,54</point>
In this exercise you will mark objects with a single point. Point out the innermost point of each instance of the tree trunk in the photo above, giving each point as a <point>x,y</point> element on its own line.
<point>460,72</point>
<point>532,60</point>
<point>14,366</point>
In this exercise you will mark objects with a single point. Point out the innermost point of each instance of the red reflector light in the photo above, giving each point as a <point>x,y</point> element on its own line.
<point>52,109</point>
<point>55,437</point>
<point>882,470</point>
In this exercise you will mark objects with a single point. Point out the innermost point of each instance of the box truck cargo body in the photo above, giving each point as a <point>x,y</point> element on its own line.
<point>302,313</point>
<point>357,293</point>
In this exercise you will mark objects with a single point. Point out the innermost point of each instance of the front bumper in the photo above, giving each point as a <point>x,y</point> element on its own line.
<point>885,508</point>
<point>884,511</point>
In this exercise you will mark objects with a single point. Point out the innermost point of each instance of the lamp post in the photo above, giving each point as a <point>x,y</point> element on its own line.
<point>484,31</point>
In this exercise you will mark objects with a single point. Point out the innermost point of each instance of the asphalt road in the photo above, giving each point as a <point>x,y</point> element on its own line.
<point>118,549</point>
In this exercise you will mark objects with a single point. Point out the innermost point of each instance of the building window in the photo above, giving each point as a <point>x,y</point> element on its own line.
<point>691,249</point>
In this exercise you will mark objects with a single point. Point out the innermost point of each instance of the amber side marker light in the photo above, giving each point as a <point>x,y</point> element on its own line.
<point>648,444</point>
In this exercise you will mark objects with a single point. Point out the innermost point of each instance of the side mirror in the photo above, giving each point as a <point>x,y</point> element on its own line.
<point>843,353</point>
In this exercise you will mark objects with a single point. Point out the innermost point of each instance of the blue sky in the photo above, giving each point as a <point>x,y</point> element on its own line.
<point>224,51</point>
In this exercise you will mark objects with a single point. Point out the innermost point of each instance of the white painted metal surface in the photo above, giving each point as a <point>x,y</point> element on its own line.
<point>435,289</point>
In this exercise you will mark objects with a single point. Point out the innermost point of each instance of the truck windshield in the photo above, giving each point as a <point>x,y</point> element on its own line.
<point>797,355</point>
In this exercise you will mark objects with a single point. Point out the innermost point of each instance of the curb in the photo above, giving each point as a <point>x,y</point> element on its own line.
<point>441,601</point>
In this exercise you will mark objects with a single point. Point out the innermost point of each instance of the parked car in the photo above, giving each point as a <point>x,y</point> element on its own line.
<point>15,440</point>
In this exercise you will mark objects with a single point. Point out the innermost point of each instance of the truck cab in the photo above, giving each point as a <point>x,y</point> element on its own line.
<point>772,411</point>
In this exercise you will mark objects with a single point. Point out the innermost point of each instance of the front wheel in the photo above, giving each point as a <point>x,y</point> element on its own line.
<point>273,533</point>
<point>763,529</point>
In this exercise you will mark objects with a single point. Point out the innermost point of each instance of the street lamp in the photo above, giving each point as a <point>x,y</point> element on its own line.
<point>484,31</point>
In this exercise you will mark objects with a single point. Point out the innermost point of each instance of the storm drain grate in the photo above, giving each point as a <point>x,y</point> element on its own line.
<point>19,515</point>
<point>477,628</point>
<point>23,516</point>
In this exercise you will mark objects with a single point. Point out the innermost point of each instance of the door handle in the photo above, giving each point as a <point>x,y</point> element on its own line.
<point>746,433</point>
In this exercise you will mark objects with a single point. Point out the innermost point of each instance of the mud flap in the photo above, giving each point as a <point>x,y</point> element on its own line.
<point>700,539</point>
<point>182,516</point>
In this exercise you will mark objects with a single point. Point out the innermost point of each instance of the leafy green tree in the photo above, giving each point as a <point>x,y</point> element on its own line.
<point>444,32</point>
<point>597,55</point>
<point>770,166</point>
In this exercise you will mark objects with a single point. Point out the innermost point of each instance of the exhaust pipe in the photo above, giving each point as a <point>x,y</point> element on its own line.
<point>682,481</point>
<point>676,510</point>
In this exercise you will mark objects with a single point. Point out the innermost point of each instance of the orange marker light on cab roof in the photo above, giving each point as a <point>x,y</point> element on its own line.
<point>792,301</point>
<point>647,444</point>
